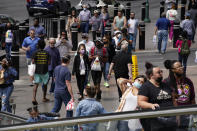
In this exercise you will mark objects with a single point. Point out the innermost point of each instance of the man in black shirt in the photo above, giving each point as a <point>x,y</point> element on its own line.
<point>41,58</point>
<point>122,64</point>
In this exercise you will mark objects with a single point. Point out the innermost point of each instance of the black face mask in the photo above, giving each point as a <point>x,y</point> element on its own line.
<point>104,42</point>
<point>99,46</point>
<point>159,80</point>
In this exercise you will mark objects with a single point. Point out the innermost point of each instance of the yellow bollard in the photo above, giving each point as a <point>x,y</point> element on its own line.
<point>135,72</point>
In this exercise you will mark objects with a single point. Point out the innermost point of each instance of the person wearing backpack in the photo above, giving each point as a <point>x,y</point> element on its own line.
<point>183,45</point>
<point>98,56</point>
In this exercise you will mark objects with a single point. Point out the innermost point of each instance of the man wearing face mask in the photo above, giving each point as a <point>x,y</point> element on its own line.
<point>55,61</point>
<point>116,39</point>
<point>84,17</point>
<point>101,53</point>
<point>85,40</point>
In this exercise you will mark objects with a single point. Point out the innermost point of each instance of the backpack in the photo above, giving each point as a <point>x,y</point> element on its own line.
<point>185,47</point>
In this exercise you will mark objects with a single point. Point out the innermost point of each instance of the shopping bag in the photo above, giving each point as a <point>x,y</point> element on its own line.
<point>196,57</point>
<point>31,69</point>
<point>154,41</point>
<point>96,65</point>
<point>70,105</point>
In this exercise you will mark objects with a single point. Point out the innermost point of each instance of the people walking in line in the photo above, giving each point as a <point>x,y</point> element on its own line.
<point>63,89</point>
<point>41,59</point>
<point>95,22</point>
<point>55,60</point>
<point>89,107</point>
<point>39,30</point>
<point>122,65</point>
<point>129,103</point>
<point>172,16</point>
<point>29,45</point>
<point>188,25</point>
<point>98,56</point>
<point>7,77</point>
<point>120,21</point>
<point>193,15</point>
<point>84,17</point>
<point>63,44</point>
<point>183,45</point>
<point>183,90</point>
<point>88,43</point>
<point>154,94</point>
<point>104,20</point>
<point>161,29</point>
<point>133,27</point>
<point>81,67</point>
<point>111,53</point>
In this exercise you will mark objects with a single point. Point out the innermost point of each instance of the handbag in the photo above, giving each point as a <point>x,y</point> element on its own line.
<point>31,69</point>
<point>70,105</point>
<point>96,65</point>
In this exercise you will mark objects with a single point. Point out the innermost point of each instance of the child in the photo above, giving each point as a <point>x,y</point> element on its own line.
<point>36,117</point>
<point>80,68</point>
<point>88,107</point>
<point>183,56</point>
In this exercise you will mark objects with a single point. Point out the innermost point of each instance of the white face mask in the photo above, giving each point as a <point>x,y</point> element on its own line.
<point>85,9</point>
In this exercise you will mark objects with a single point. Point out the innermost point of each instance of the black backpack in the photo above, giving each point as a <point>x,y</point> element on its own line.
<point>185,48</point>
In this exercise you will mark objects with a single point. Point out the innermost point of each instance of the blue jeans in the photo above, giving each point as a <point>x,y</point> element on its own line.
<point>123,126</point>
<point>84,27</point>
<point>5,94</point>
<point>106,70</point>
<point>58,99</point>
<point>8,47</point>
<point>183,61</point>
<point>52,82</point>
<point>162,37</point>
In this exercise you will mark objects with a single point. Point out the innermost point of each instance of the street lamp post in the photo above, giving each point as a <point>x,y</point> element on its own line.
<point>147,19</point>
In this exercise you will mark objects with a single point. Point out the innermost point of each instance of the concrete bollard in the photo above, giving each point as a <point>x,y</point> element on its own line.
<point>128,10</point>
<point>116,9</point>
<point>108,29</point>
<point>74,31</point>
<point>62,23</point>
<point>176,31</point>
<point>54,27</point>
<point>183,4</point>
<point>143,11</point>
<point>162,8</point>
<point>142,37</point>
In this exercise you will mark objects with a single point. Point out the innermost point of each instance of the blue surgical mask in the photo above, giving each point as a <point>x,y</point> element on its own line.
<point>84,9</point>
<point>84,41</point>
<point>137,84</point>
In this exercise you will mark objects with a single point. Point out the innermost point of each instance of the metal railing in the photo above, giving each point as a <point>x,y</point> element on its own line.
<point>104,118</point>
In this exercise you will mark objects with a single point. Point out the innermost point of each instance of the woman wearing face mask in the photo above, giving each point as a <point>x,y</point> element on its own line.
<point>129,103</point>
<point>80,68</point>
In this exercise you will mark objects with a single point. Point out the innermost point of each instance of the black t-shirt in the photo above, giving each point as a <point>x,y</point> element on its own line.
<point>157,95</point>
<point>41,59</point>
<point>121,61</point>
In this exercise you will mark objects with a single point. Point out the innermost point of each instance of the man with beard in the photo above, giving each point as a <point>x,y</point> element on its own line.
<point>39,30</point>
<point>183,90</point>
<point>98,52</point>
<point>154,94</point>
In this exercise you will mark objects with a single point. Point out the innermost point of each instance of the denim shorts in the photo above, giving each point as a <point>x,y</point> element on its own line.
<point>41,78</point>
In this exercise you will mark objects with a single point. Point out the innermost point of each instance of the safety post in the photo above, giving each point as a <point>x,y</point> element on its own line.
<point>74,31</point>
<point>142,37</point>
<point>176,31</point>
<point>135,72</point>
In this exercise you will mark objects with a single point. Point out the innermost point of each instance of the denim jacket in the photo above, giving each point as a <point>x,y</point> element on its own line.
<point>88,107</point>
<point>9,75</point>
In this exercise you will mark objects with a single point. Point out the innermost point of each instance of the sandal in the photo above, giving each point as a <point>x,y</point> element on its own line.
<point>45,100</point>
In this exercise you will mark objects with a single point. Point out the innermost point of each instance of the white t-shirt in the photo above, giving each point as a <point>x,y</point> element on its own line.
<point>9,36</point>
<point>88,45</point>
<point>131,28</point>
<point>171,14</point>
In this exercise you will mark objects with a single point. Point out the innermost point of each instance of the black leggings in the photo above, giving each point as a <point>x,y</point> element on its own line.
<point>80,83</point>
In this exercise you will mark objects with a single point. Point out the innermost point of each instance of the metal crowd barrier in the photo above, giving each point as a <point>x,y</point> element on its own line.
<point>174,111</point>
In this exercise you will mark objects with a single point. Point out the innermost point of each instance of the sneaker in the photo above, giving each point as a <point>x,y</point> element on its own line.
<point>88,84</point>
<point>106,84</point>
<point>34,102</point>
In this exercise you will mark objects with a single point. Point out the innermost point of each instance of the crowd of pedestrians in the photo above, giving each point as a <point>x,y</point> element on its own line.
<point>100,57</point>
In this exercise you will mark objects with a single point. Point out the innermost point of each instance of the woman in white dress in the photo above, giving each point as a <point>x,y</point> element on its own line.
<point>129,102</point>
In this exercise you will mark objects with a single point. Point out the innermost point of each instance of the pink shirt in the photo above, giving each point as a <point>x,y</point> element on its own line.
<point>179,44</point>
